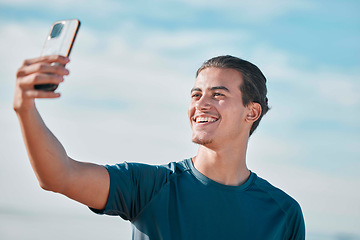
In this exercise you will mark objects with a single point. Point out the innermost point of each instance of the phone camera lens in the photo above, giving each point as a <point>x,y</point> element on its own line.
<point>56,30</point>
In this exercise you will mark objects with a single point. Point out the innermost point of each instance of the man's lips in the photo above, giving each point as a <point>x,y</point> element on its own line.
<point>204,119</point>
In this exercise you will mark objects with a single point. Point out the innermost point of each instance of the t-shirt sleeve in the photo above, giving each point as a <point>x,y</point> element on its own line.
<point>132,186</point>
<point>296,230</point>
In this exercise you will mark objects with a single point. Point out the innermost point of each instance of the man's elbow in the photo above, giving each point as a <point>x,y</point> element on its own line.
<point>50,187</point>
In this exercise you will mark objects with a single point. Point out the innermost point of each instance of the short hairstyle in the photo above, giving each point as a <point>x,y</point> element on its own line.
<point>253,88</point>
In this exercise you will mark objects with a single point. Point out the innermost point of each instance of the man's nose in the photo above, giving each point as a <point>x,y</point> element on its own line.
<point>203,103</point>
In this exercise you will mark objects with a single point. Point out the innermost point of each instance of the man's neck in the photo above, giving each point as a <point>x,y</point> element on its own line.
<point>226,165</point>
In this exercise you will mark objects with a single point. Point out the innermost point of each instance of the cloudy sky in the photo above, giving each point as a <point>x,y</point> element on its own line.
<point>132,68</point>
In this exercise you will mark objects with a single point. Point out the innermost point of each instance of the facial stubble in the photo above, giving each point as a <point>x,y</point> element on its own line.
<point>200,141</point>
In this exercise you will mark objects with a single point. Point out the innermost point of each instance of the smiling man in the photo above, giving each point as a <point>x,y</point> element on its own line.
<point>212,195</point>
<point>221,124</point>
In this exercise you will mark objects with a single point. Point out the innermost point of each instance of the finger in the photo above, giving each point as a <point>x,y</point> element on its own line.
<point>41,94</point>
<point>34,79</point>
<point>42,67</point>
<point>49,59</point>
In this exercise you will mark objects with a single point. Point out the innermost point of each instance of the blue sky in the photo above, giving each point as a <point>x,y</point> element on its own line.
<point>132,68</point>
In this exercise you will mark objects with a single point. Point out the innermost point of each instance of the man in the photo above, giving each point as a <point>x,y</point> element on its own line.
<point>210,196</point>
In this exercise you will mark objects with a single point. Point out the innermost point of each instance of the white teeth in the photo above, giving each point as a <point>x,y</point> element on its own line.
<point>205,119</point>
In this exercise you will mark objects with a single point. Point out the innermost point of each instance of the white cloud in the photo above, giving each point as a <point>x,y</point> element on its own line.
<point>19,41</point>
<point>329,86</point>
<point>342,89</point>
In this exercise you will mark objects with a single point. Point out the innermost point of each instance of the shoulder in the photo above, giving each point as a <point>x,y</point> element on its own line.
<point>281,198</point>
<point>288,205</point>
<point>177,167</point>
<point>143,170</point>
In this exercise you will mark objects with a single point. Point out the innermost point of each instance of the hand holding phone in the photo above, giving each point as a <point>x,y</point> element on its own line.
<point>59,42</point>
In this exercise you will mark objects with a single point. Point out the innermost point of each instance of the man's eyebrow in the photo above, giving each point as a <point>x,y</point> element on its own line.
<point>211,89</point>
<point>220,88</point>
<point>196,89</point>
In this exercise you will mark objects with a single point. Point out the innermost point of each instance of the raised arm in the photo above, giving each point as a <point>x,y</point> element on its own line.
<point>84,182</point>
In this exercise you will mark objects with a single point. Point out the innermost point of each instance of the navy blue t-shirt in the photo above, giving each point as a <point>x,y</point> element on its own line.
<point>176,201</point>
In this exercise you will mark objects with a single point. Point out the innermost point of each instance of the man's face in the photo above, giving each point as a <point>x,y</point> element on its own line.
<point>216,112</point>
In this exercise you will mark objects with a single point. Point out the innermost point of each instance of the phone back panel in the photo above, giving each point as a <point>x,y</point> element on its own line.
<point>61,42</point>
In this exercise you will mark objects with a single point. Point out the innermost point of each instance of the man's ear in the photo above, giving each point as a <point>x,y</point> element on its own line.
<point>254,112</point>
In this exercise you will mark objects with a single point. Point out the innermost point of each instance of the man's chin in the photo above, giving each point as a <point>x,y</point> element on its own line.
<point>201,141</point>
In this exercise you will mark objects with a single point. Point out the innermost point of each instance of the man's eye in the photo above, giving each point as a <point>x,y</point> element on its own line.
<point>195,95</point>
<point>218,94</point>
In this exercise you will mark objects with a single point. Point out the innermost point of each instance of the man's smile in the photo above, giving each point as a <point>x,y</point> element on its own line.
<point>204,119</point>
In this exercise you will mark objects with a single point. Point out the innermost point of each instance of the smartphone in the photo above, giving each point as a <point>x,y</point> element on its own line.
<point>59,42</point>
